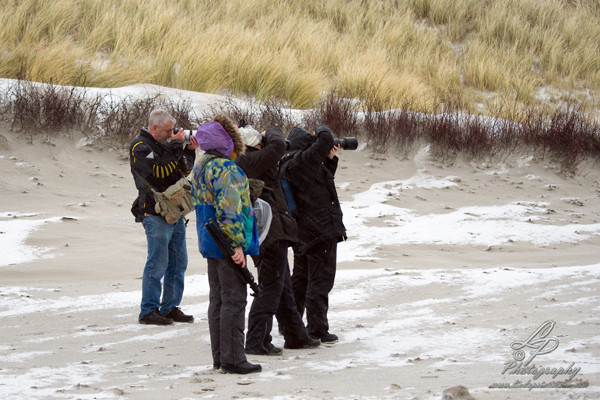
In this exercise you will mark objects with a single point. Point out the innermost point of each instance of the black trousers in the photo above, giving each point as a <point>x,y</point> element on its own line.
<point>226,312</point>
<point>277,299</point>
<point>312,280</point>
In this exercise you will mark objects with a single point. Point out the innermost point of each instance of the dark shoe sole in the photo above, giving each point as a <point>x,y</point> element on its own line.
<point>315,343</point>
<point>187,321</point>
<point>154,318</point>
<point>179,316</point>
<point>328,338</point>
<point>277,352</point>
<point>240,371</point>
<point>144,322</point>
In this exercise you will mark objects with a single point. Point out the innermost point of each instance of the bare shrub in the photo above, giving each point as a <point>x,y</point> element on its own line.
<point>567,136</point>
<point>406,128</point>
<point>444,134</point>
<point>507,133</point>
<point>273,113</point>
<point>120,122</point>
<point>247,113</point>
<point>337,112</point>
<point>44,108</point>
<point>378,130</point>
<point>183,112</point>
<point>477,139</point>
<point>261,115</point>
<point>375,124</point>
<point>592,139</point>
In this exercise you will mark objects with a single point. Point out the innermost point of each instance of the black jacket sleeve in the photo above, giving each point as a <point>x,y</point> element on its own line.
<point>331,164</point>
<point>256,163</point>
<point>306,165</point>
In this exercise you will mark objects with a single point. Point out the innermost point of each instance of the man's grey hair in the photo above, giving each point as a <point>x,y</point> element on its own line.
<point>159,117</point>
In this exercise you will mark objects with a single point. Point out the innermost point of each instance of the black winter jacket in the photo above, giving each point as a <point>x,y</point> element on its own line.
<point>263,164</point>
<point>311,173</point>
<point>161,166</point>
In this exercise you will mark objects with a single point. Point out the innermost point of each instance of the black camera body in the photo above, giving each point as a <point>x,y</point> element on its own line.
<point>348,143</point>
<point>187,133</point>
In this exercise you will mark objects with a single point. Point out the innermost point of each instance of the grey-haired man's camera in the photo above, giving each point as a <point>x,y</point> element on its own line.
<point>187,133</point>
<point>348,143</point>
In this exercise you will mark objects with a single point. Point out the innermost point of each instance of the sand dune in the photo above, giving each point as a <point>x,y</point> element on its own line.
<point>445,267</point>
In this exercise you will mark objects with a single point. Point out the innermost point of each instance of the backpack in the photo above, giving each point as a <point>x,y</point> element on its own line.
<point>285,183</point>
<point>263,216</point>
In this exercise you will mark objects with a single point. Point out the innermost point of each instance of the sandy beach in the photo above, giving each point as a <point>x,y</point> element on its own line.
<point>445,268</point>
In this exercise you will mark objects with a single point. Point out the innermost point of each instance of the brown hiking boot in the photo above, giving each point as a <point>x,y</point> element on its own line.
<point>154,318</point>
<point>178,316</point>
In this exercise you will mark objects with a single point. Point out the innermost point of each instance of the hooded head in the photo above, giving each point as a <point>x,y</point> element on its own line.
<point>222,135</point>
<point>300,139</point>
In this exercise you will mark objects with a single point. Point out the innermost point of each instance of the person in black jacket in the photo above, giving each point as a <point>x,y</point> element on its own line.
<point>157,162</point>
<point>263,152</point>
<point>310,172</point>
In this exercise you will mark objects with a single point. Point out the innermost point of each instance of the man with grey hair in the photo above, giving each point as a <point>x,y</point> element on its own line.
<point>159,157</point>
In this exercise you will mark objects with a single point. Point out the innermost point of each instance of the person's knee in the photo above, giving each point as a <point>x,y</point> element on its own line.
<point>233,300</point>
<point>182,263</point>
<point>156,265</point>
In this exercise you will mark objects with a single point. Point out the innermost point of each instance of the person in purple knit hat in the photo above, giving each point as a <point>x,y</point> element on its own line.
<point>220,191</point>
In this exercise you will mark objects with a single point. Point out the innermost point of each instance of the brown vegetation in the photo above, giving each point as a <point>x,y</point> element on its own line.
<point>567,136</point>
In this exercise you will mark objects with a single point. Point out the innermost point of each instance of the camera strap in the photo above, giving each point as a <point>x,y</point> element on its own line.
<point>144,181</point>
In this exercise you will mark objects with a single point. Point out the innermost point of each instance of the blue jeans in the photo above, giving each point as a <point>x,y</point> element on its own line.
<point>167,259</point>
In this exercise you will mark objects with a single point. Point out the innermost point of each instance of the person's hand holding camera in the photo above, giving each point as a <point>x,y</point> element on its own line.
<point>180,135</point>
<point>334,150</point>
<point>193,145</point>
<point>263,141</point>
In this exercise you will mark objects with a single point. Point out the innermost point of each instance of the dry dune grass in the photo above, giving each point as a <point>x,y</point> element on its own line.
<point>423,52</point>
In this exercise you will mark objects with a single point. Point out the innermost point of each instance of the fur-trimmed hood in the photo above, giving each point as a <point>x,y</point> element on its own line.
<point>231,128</point>
<point>221,134</point>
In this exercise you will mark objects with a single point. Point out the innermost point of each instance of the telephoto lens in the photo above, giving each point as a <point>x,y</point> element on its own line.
<point>187,134</point>
<point>349,143</point>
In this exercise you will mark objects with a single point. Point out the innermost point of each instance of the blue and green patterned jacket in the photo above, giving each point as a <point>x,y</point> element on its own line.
<point>220,191</point>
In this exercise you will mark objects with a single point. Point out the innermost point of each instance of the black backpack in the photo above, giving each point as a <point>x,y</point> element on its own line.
<point>285,183</point>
